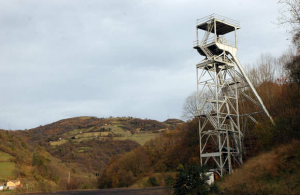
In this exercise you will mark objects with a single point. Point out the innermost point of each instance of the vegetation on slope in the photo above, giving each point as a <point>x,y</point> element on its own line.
<point>80,147</point>
<point>33,166</point>
<point>162,154</point>
<point>114,127</point>
<point>93,155</point>
<point>281,96</point>
<point>274,172</point>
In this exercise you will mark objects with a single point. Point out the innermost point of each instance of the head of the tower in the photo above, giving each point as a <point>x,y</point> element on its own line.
<point>219,36</point>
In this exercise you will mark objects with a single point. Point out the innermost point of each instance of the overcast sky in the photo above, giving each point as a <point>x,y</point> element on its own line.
<point>68,58</point>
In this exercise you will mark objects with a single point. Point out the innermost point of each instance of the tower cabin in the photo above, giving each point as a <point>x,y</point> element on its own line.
<point>215,45</point>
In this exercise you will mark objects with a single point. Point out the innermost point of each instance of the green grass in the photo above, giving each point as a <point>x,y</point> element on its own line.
<point>7,169</point>
<point>5,157</point>
<point>58,143</point>
<point>77,132</point>
<point>115,129</point>
<point>140,138</point>
<point>83,149</point>
<point>73,132</point>
<point>83,139</point>
<point>91,134</point>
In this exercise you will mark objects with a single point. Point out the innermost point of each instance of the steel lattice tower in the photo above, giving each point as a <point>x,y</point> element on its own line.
<point>221,81</point>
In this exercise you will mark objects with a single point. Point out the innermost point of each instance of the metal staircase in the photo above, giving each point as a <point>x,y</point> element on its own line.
<point>205,38</point>
<point>207,33</point>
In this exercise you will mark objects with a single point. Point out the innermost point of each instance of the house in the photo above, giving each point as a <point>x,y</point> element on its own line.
<point>12,184</point>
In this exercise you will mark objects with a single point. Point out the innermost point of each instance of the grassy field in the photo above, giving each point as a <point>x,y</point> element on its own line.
<point>6,167</point>
<point>57,143</point>
<point>114,128</point>
<point>91,134</point>
<point>5,157</point>
<point>77,132</point>
<point>83,149</point>
<point>139,138</point>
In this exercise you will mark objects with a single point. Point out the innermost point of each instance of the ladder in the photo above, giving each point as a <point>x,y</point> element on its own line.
<point>207,52</point>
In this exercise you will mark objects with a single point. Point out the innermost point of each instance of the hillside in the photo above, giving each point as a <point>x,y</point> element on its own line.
<point>33,166</point>
<point>96,140</point>
<point>274,172</point>
<point>162,154</point>
<point>80,146</point>
<point>87,128</point>
<point>180,147</point>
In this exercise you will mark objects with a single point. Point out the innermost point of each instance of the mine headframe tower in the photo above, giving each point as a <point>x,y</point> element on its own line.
<point>221,82</point>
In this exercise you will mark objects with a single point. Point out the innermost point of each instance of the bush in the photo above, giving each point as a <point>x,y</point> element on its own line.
<point>191,179</point>
<point>169,181</point>
<point>152,181</point>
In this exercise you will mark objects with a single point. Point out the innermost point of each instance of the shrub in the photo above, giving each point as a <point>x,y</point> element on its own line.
<point>152,181</point>
<point>191,179</point>
<point>169,181</point>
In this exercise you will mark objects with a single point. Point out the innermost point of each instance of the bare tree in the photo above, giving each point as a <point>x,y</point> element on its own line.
<point>282,61</point>
<point>290,15</point>
<point>190,108</point>
<point>263,70</point>
<point>293,68</point>
<point>195,104</point>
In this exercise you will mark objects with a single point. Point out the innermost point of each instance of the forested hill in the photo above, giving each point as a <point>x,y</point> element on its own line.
<point>80,146</point>
<point>77,127</point>
<point>79,140</point>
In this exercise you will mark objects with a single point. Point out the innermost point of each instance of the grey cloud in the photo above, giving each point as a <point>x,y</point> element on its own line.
<point>66,58</point>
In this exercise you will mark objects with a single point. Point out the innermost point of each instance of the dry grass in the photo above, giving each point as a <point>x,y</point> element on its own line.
<point>58,143</point>
<point>275,172</point>
<point>139,138</point>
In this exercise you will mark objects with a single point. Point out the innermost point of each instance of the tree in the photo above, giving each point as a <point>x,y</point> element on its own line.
<point>195,104</point>
<point>290,15</point>
<point>263,70</point>
<point>152,181</point>
<point>190,108</point>
<point>169,181</point>
<point>293,68</point>
<point>192,179</point>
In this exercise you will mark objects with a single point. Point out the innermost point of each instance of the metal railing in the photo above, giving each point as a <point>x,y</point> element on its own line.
<point>225,126</point>
<point>218,17</point>
<point>221,40</point>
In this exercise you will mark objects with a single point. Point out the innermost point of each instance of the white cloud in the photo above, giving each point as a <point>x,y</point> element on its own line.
<point>66,58</point>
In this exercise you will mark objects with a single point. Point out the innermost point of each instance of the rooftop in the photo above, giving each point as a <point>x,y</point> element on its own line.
<point>224,25</point>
